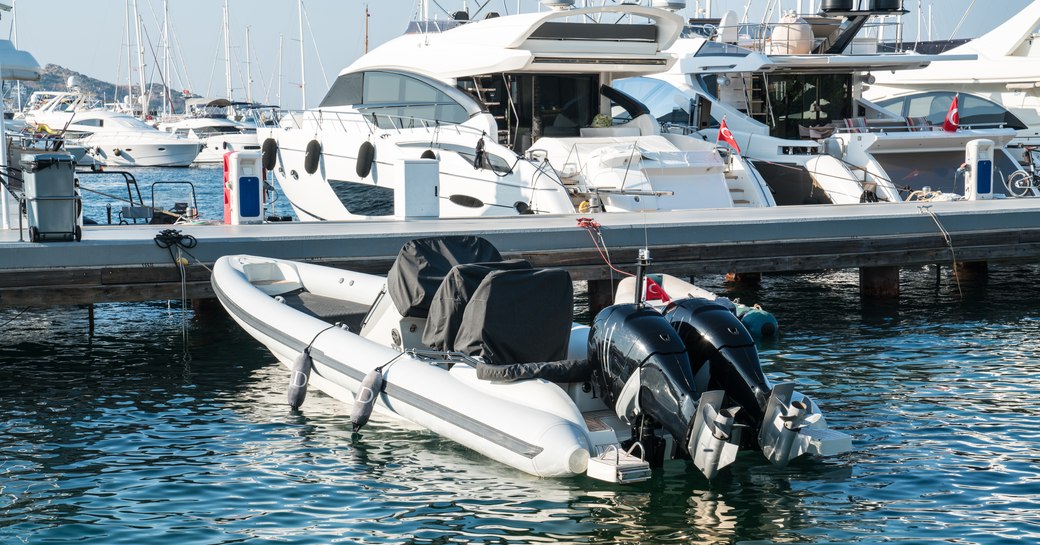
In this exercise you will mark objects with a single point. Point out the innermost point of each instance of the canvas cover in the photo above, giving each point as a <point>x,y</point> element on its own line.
<point>449,301</point>
<point>422,264</point>
<point>518,316</point>
<point>553,371</point>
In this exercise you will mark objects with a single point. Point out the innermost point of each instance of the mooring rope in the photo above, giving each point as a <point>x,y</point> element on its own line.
<point>927,209</point>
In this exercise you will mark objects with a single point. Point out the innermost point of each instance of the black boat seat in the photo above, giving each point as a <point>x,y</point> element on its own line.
<point>422,264</point>
<point>518,316</point>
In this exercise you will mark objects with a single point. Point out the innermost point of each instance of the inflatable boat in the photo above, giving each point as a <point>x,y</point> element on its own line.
<point>484,351</point>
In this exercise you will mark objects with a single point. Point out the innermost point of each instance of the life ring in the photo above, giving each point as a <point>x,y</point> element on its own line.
<point>269,154</point>
<point>366,155</point>
<point>312,157</point>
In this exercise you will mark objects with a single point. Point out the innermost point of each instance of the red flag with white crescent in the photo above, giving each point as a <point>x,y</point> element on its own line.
<point>953,117</point>
<point>726,135</point>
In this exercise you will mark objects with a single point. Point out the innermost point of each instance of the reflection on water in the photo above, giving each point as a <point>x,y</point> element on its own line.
<point>120,438</point>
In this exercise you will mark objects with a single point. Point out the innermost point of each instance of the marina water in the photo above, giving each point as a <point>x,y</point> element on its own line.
<point>167,426</point>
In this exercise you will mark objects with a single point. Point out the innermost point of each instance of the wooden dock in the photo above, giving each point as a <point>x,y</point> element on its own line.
<point>124,263</point>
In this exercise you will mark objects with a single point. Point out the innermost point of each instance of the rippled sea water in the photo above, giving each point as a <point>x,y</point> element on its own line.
<point>168,426</point>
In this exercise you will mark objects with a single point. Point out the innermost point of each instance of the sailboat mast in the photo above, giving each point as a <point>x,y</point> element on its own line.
<point>227,52</point>
<point>140,63</point>
<point>281,42</point>
<point>303,70</point>
<point>14,35</point>
<point>167,106</point>
<point>129,62</point>
<point>249,70</point>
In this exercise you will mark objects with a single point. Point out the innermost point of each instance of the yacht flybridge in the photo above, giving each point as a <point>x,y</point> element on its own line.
<point>519,114</point>
<point>792,95</point>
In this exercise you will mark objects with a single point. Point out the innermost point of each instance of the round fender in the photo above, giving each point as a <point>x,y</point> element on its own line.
<point>366,155</point>
<point>312,157</point>
<point>428,154</point>
<point>269,154</point>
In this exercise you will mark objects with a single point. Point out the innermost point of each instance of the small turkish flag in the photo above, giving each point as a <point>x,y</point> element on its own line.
<point>654,292</point>
<point>726,135</point>
<point>953,117</point>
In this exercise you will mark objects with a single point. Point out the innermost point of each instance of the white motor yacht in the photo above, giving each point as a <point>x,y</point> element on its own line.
<point>110,138</point>
<point>998,88</point>
<point>519,114</point>
<point>792,95</point>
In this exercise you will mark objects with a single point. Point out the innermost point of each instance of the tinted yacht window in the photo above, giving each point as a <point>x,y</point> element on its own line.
<point>974,111</point>
<point>344,92</point>
<point>398,100</point>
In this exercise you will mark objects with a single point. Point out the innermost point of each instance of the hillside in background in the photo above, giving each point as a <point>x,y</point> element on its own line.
<point>55,78</point>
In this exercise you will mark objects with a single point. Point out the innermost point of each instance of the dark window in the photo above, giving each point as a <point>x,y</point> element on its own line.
<point>974,111</point>
<point>564,104</point>
<point>346,90</point>
<point>808,101</point>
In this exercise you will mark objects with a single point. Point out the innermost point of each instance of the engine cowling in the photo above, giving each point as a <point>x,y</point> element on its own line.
<point>715,338</point>
<point>631,343</point>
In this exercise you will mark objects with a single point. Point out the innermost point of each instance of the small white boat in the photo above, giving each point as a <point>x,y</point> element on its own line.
<point>484,352</point>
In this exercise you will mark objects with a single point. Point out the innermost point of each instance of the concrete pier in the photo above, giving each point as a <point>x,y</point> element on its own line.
<point>124,263</point>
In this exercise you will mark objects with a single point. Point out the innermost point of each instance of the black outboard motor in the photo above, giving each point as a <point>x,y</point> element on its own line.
<point>713,336</point>
<point>643,369</point>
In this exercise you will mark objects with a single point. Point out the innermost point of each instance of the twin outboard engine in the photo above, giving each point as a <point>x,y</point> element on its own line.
<point>693,372</point>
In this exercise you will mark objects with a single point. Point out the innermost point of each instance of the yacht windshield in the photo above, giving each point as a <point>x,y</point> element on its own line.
<point>130,123</point>
<point>396,99</point>
<point>718,49</point>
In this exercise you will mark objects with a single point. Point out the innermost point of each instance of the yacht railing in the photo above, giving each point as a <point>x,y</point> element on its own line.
<point>760,36</point>
<point>371,122</point>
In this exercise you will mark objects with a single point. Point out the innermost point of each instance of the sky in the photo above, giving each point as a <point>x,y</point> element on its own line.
<point>89,36</point>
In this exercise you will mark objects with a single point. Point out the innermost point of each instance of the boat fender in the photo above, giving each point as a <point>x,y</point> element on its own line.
<point>269,154</point>
<point>117,152</point>
<point>301,374</point>
<point>366,155</point>
<point>478,154</point>
<point>365,399</point>
<point>760,323</point>
<point>312,156</point>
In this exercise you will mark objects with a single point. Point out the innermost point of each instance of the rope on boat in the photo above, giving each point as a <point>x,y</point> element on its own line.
<point>927,209</point>
<point>593,228</point>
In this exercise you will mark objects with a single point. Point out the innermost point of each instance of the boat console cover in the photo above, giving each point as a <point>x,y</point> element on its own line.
<point>422,264</point>
<point>518,316</point>
<point>450,299</point>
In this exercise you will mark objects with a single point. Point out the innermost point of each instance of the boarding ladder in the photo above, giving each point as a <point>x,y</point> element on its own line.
<point>492,91</point>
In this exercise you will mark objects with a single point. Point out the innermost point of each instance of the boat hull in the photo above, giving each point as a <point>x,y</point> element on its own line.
<point>545,443</point>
